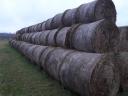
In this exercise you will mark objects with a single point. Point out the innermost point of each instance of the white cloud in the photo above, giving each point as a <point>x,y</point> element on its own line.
<point>16,14</point>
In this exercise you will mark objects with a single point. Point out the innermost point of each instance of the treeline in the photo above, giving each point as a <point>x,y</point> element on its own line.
<point>6,36</point>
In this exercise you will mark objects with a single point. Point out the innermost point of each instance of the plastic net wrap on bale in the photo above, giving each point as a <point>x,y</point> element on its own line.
<point>123,38</point>
<point>85,13</point>
<point>88,74</point>
<point>100,36</point>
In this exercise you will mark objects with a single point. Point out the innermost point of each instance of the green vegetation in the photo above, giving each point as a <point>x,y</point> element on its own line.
<point>18,77</point>
<point>6,36</point>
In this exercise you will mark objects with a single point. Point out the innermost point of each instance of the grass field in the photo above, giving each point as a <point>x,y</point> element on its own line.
<point>18,77</point>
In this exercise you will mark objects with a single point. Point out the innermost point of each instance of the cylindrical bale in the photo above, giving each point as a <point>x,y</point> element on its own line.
<point>84,72</point>
<point>29,52</point>
<point>51,37</point>
<point>96,10</point>
<point>53,60</point>
<point>24,47</point>
<point>69,17</point>
<point>43,37</point>
<point>26,30</point>
<point>23,37</point>
<point>48,24</point>
<point>60,38</point>
<point>56,21</point>
<point>43,26</point>
<point>39,27</point>
<point>27,37</point>
<point>33,38</point>
<point>37,40</point>
<point>123,38</point>
<point>21,31</point>
<point>30,29</point>
<point>35,27</point>
<point>37,53</point>
<point>44,57</point>
<point>100,36</point>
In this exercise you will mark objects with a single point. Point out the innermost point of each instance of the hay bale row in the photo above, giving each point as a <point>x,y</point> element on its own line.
<point>100,36</point>
<point>88,74</point>
<point>123,38</point>
<point>85,13</point>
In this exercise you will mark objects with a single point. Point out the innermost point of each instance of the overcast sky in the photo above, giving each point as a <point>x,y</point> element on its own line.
<point>16,14</point>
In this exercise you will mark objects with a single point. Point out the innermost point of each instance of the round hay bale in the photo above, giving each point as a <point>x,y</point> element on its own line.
<point>48,24</point>
<point>60,38</point>
<point>43,37</point>
<point>39,27</point>
<point>96,10</point>
<point>100,36</point>
<point>29,37</point>
<point>44,56</point>
<point>36,39</point>
<point>29,52</point>
<point>53,61</point>
<point>30,29</point>
<point>84,72</point>
<point>33,38</point>
<point>37,53</point>
<point>56,21</point>
<point>26,30</point>
<point>51,38</point>
<point>123,38</point>
<point>43,26</point>
<point>69,17</point>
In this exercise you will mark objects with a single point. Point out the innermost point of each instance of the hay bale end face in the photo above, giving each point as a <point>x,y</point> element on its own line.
<point>96,10</point>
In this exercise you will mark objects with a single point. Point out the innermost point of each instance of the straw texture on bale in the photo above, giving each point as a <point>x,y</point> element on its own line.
<point>56,21</point>
<point>69,17</point>
<point>85,13</point>
<point>96,10</point>
<point>123,38</point>
<point>48,24</point>
<point>100,36</point>
<point>51,37</point>
<point>81,72</point>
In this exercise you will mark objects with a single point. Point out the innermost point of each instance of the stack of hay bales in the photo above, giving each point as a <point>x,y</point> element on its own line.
<point>79,48</point>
